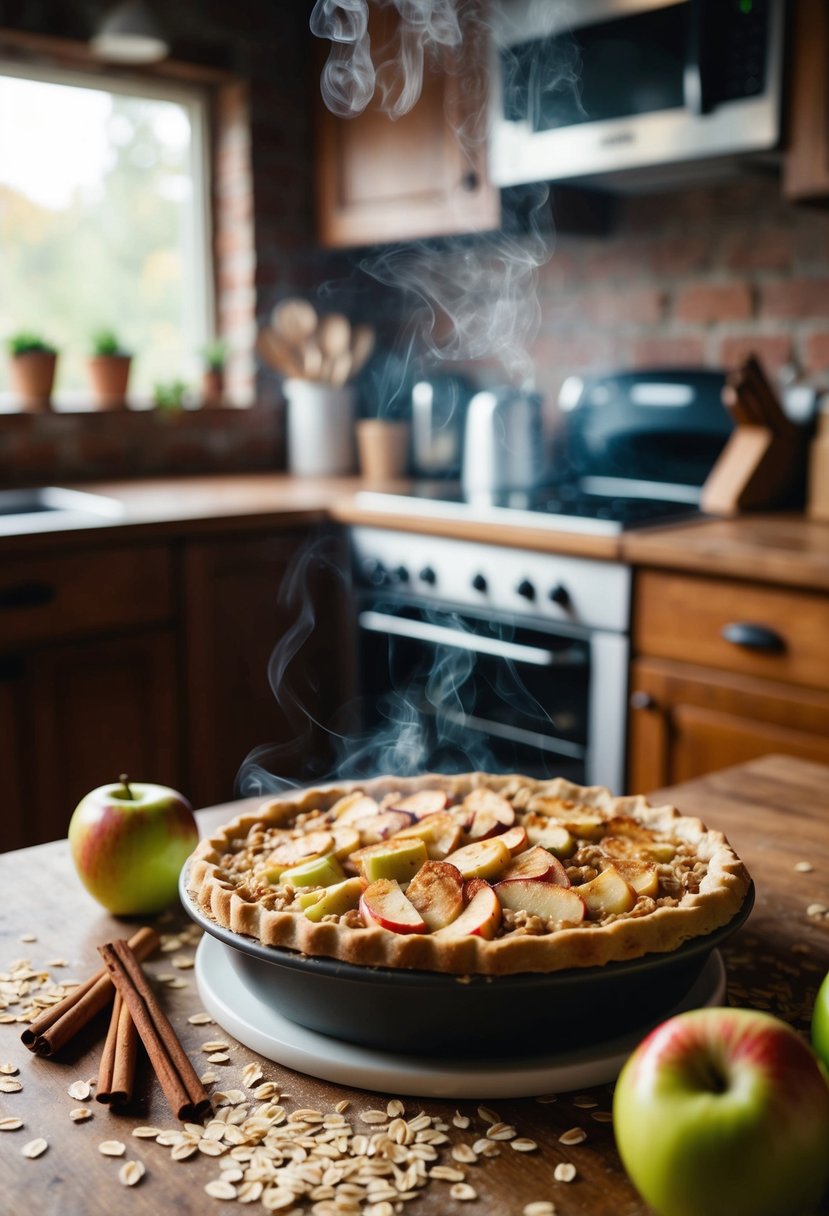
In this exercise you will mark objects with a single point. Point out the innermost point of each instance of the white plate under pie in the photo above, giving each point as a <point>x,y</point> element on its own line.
<point>242,1012</point>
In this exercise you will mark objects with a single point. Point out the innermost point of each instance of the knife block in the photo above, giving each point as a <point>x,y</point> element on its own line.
<point>757,468</point>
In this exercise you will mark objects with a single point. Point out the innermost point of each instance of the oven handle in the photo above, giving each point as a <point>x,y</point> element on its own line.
<point>421,631</point>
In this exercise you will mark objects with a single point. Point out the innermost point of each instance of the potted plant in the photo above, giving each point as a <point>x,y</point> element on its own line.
<point>109,371</point>
<point>169,396</point>
<point>213,377</point>
<point>32,367</point>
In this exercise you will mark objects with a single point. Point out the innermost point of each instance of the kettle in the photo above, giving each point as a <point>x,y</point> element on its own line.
<point>502,443</point>
<point>438,406</point>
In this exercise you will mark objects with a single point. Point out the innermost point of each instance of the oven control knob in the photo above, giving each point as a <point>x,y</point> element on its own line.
<point>427,575</point>
<point>560,595</point>
<point>479,583</point>
<point>526,589</point>
<point>401,574</point>
<point>374,572</point>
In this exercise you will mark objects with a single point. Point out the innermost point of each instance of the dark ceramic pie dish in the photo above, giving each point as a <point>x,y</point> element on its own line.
<point>429,1013</point>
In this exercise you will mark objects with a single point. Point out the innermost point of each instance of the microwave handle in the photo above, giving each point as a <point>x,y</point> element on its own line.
<point>440,635</point>
<point>695,77</point>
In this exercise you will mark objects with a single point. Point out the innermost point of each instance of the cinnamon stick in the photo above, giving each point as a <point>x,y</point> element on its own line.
<point>183,1090</point>
<point>116,1072</point>
<point>56,1026</point>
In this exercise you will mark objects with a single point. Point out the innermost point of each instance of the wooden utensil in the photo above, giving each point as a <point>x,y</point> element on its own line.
<point>278,354</point>
<point>362,345</point>
<point>294,320</point>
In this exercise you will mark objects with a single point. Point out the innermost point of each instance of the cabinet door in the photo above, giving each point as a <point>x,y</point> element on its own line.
<point>93,711</point>
<point>806,158</point>
<point>686,721</point>
<point>383,180</point>
<point>263,667</point>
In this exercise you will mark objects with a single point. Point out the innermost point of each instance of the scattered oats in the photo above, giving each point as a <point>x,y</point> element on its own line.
<point>79,1090</point>
<point>817,910</point>
<point>465,1153</point>
<point>180,1152</point>
<point>183,962</point>
<point>9,1086</point>
<point>804,867</point>
<point>10,1124</point>
<point>249,1192</point>
<point>178,982</point>
<point>28,937</point>
<point>79,1114</point>
<point>373,1116</point>
<point>217,1189</point>
<point>488,1116</point>
<point>384,1208</point>
<point>500,1131</point>
<point>446,1173</point>
<point>584,1102</point>
<point>460,1120</point>
<point>564,1172</point>
<point>131,1173</point>
<point>215,1045</point>
<point>341,1106</point>
<point>462,1190</point>
<point>209,1077</point>
<point>146,1133</point>
<point>112,1148</point>
<point>523,1145</point>
<point>486,1148</point>
<point>211,1148</point>
<point>219,1057</point>
<point>602,1116</point>
<point>9,1070</point>
<point>200,1019</point>
<point>57,962</point>
<point>268,1089</point>
<point>541,1207</point>
<point>251,1074</point>
<point>274,1199</point>
<point>35,1148</point>
<point>233,1097</point>
<point>575,1136</point>
<point>545,1099</point>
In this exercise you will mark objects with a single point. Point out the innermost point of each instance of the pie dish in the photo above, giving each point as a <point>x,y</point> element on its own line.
<point>468,875</point>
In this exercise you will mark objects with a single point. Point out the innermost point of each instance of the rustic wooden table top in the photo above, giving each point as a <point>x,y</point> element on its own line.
<point>775,811</point>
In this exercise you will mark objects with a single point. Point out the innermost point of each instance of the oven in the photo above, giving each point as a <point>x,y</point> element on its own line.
<point>477,656</point>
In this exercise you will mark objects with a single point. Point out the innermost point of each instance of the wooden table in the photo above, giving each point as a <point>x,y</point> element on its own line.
<point>775,811</point>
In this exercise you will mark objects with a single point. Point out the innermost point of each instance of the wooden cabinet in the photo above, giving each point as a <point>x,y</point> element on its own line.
<point>380,180</point>
<point>88,682</point>
<point>263,660</point>
<point>806,158</point>
<point>724,672</point>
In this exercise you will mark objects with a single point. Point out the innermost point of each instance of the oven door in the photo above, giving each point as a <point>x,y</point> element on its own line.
<point>454,692</point>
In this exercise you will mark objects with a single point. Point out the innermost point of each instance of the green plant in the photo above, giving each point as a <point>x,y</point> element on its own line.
<point>169,395</point>
<point>215,355</point>
<point>105,344</point>
<point>26,343</point>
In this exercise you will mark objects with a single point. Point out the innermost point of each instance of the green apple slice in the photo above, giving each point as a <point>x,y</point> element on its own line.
<point>643,876</point>
<point>317,872</point>
<point>549,834</point>
<point>336,900</point>
<point>440,833</point>
<point>393,859</point>
<point>296,852</point>
<point>608,894</point>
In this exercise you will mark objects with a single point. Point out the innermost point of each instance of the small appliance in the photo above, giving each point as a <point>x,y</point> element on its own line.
<point>438,411</point>
<point>502,444</point>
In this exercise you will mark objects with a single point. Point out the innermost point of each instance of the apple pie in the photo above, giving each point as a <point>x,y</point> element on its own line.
<point>468,874</point>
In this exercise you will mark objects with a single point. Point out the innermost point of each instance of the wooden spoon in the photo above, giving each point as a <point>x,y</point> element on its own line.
<point>279,354</point>
<point>362,345</point>
<point>294,320</point>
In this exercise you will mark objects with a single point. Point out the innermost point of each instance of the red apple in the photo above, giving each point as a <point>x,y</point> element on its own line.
<point>423,803</point>
<point>440,832</point>
<point>545,899</point>
<point>129,841</point>
<point>437,892</point>
<point>535,863</point>
<point>488,813</point>
<point>480,918</point>
<point>383,903</point>
<point>515,839</point>
<point>724,1112</point>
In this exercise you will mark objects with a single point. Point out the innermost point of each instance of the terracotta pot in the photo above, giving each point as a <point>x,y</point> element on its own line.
<point>33,377</point>
<point>213,387</point>
<point>108,378</point>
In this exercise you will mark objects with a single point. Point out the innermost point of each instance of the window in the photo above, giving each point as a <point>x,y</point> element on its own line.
<point>104,223</point>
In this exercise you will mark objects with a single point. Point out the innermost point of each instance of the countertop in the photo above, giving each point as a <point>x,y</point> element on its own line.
<point>781,548</point>
<point>774,812</point>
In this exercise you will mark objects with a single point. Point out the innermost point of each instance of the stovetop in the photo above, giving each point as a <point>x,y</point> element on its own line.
<point>596,505</point>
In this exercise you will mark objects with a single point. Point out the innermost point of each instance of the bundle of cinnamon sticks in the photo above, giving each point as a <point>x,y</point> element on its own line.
<point>136,1014</point>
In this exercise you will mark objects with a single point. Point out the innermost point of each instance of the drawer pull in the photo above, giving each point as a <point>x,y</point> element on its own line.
<point>753,637</point>
<point>643,700</point>
<point>26,595</point>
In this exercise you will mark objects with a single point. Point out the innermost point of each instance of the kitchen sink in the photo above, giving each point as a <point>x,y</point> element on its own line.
<point>44,508</point>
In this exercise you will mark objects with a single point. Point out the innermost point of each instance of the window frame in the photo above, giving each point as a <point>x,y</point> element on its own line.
<point>196,102</point>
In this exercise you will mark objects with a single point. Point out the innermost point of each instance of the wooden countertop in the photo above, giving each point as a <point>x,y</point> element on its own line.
<point>774,811</point>
<point>786,549</point>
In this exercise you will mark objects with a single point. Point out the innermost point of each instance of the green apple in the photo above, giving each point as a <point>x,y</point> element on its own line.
<point>395,859</point>
<point>317,872</point>
<point>335,900</point>
<point>820,1023</point>
<point>724,1112</point>
<point>129,841</point>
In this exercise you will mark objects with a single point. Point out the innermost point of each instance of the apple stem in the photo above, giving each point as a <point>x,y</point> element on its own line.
<point>124,779</point>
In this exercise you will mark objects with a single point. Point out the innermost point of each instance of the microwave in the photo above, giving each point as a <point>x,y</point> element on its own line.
<point>589,89</point>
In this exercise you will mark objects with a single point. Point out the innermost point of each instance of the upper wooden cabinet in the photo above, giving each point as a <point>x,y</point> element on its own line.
<point>806,161</point>
<point>383,180</point>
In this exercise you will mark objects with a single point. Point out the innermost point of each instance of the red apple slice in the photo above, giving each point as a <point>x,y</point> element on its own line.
<point>471,887</point>
<point>352,807</point>
<point>482,858</point>
<point>384,904</point>
<point>381,826</point>
<point>440,833</point>
<point>515,839</point>
<point>301,848</point>
<point>437,892</point>
<point>538,863</point>
<point>549,834</point>
<point>608,894</point>
<point>480,918</point>
<point>488,813</point>
<point>423,803</point>
<point>545,899</point>
<point>643,876</point>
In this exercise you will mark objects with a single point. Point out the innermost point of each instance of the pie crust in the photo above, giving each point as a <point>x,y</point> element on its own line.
<point>700,888</point>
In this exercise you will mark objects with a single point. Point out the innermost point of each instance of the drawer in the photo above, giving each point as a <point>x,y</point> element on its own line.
<point>742,627</point>
<point>67,595</point>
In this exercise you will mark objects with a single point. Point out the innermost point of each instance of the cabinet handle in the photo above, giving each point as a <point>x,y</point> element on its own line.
<point>26,595</point>
<point>753,637</point>
<point>470,181</point>
<point>643,700</point>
